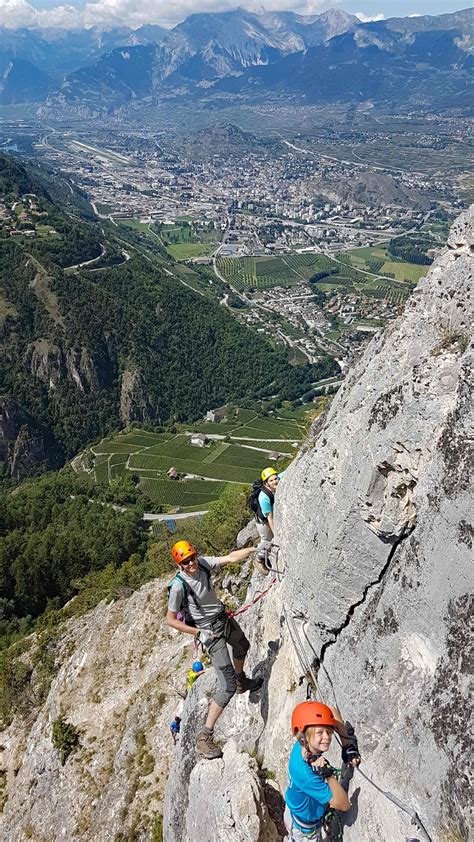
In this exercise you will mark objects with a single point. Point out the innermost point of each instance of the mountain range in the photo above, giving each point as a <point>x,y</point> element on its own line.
<point>332,57</point>
<point>35,61</point>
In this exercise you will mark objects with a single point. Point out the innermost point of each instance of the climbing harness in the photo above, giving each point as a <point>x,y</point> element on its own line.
<point>188,593</point>
<point>332,824</point>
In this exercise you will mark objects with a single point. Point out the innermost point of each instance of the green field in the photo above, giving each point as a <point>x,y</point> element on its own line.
<point>183,251</point>
<point>115,446</point>
<point>404,272</point>
<point>140,461</point>
<point>150,455</point>
<point>182,494</point>
<point>266,272</point>
<point>102,473</point>
<point>188,240</point>
<point>135,224</point>
<point>260,273</point>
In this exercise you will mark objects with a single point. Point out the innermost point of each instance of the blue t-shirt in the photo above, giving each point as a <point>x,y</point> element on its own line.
<point>265,502</point>
<point>308,794</point>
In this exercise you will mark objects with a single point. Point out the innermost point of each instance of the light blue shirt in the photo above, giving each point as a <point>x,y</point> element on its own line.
<point>264,501</point>
<point>308,794</point>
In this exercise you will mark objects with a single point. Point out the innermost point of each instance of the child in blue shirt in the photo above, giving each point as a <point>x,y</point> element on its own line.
<point>312,785</point>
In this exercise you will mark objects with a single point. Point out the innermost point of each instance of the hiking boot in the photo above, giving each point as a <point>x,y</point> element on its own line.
<point>207,747</point>
<point>259,565</point>
<point>248,685</point>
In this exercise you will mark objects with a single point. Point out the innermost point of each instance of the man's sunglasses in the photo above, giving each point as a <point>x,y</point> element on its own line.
<point>187,561</point>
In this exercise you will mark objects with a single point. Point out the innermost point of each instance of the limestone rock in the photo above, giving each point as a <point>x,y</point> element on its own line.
<point>84,371</point>
<point>235,807</point>
<point>374,523</point>
<point>117,670</point>
<point>25,447</point>
<point>247,536</point>
<point>45,362</point>
<point>51,364</point>
<point>134,403</point>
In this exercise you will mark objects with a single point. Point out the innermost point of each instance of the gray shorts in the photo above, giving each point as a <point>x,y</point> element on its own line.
<point>229,634</point>
<point>297,835</point>
<point>266,537</point>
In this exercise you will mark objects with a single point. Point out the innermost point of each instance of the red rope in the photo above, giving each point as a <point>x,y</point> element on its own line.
<point>249,605</point>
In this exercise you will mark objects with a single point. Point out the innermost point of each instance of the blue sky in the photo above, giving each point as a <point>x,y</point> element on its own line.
<point>109,13</point>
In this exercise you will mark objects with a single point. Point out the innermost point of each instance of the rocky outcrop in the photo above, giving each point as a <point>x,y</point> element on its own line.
<point>116,670</point>
<point>51,365</point>
<point>134,403</point>
<point>375,542</point>
<point>238,810</point>
<point>25,447</point>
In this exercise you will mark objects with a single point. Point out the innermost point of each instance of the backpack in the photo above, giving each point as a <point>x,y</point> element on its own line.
<point>184,613</point>
<point>253,503</point>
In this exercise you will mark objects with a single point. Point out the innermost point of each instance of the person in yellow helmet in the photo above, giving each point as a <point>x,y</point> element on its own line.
<point>262,504</point>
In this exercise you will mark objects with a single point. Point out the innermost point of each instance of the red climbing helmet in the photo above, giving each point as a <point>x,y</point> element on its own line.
<point>182,550</point>
<point>311,713</point>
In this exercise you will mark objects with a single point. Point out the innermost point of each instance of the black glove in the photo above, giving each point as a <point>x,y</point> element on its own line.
<point>324,771</point>
<point>350,752</point>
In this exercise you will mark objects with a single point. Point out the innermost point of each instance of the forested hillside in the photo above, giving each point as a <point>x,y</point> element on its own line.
<point>86,350</point>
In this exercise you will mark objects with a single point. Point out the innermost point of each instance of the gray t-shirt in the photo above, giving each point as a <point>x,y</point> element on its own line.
<point>209,603</point>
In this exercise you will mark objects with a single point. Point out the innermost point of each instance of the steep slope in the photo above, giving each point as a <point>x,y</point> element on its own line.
<point>87,350</point>
<point>373,523</point>
<point>115,671</point>
<point>22,81</point>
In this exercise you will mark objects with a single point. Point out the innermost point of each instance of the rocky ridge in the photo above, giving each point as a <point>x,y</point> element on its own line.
<point>116,673</point>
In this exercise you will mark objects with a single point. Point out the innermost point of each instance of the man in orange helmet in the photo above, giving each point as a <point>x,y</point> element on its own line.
<point>195,609</point>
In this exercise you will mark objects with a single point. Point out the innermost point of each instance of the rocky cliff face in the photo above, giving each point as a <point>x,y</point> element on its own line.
<point>51,364</point>
<point>115,672</point>
<point>25,447</point>
<point>134,404</point>
<point>375,541</point>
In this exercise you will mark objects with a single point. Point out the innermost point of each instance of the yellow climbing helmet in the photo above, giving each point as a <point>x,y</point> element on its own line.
<point>268,472</point>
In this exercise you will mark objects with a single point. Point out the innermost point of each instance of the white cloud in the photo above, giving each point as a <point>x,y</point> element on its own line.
<point>16,13</point>
<point>415,15</point>
<point>109,13</point>
<point>368,18</point>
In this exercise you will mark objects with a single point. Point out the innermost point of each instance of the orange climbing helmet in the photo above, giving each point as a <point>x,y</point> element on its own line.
<point>311,713</point>
<point>182,550</point>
